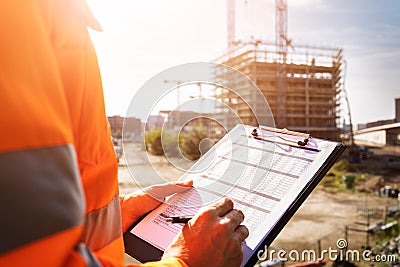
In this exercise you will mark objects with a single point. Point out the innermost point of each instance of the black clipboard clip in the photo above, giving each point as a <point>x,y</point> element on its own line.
<point>299,144</point>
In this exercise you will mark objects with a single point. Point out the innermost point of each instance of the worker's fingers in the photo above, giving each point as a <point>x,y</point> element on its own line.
<point>161,191</point>
<point>241,233</point>
<point>223,206</point>
<point>235,218</point>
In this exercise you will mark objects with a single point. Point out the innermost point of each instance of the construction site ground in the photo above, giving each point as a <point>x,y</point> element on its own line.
<point>322,217</point>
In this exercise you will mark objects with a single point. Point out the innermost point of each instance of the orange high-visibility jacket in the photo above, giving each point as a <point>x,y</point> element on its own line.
<point>59,202</point>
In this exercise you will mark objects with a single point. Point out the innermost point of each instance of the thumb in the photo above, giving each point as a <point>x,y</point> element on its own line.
<point>161,191</point>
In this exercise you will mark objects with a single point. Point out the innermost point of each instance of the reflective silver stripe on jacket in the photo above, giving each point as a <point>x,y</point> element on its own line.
<point>103,226</point>
<point>40,194</point>
<point>88,257</point>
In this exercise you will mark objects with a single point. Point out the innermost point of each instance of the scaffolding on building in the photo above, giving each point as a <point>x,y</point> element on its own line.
<point>302,86</point>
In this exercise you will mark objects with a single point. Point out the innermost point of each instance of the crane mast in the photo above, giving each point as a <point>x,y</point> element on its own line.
<point>281,25</point>
<point>281,42</point>
<point>231,22</point>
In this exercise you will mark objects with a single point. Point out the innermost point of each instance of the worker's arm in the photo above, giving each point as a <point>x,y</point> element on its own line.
<point>212,238</point>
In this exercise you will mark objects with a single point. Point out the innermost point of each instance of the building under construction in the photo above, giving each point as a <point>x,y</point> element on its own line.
<point>302,88</point>
<point>301,83</point>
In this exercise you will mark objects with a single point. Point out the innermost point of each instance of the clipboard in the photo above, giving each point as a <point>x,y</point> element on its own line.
<point>142,240</point>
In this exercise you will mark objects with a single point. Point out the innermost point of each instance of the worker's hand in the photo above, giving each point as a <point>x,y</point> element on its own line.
<point>137,204</point>
<point>212,238</point>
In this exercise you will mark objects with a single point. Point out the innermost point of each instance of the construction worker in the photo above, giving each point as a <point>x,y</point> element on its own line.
<point>59,191</point>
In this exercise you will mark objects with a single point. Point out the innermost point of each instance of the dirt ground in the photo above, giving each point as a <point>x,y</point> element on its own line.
<point>322,217</point>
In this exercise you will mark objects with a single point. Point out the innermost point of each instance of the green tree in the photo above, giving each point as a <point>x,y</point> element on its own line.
<point>189,142</point>
<point>153,142</point>
<point>170,143</point>
<point>160,142</point>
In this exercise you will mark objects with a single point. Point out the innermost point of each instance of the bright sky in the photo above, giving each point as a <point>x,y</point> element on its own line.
<point>143,38</point>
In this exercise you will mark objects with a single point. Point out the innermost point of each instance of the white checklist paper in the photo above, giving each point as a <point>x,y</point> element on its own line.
<point>263,176</point>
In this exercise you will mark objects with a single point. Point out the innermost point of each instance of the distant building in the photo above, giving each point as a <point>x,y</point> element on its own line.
<point>131,126</point>
<point>302,87</point>
<point>383,135</point>
<point>116,123</point>
<point>380,133</point>
<point>380,123</point>
<point>361,126</point>
<point>154,121</point>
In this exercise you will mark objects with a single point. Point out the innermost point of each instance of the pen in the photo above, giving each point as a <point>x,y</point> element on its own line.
<point>178,219</point>
<point>295,146</point>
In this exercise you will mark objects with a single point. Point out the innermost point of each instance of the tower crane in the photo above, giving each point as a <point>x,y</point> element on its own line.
<point>282,42</point>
